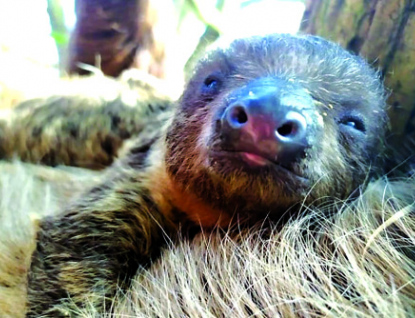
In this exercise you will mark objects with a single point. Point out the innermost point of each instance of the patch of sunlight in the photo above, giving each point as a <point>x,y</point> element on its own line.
<point>25,30</point>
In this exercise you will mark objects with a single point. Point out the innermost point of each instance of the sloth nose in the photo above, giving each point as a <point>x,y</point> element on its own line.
<point>289,128</point>
<point>267,122</point>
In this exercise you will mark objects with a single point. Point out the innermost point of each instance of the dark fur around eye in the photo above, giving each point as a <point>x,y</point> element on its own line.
<point>353,122</point>
<point>211,86</point>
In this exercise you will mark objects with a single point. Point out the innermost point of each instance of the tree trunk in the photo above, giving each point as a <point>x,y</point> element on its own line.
<point>111,34</point>
<point>382,31</point>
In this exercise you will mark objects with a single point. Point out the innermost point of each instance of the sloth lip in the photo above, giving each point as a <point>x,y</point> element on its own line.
<point>255,160</point>
<point>252,158</point>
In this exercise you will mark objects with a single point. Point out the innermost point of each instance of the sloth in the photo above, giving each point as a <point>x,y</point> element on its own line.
<point>264,126</point>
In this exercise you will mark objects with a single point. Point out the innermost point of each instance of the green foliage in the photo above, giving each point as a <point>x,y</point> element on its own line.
<point>61,38</point>
<point>59,31</point>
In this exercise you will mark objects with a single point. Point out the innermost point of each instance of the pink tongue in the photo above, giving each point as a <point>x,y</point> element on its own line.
<point>255,159</point>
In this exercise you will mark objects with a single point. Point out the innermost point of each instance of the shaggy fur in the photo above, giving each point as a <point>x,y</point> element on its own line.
<point>177,173</point>
<point>358,263</point>
<point>28,193</point>
<point>84,123</point>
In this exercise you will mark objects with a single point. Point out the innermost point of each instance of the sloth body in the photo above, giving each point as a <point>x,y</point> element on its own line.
<point>263,125</point>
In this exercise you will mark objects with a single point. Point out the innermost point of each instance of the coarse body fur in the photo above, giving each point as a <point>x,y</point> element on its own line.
<point>85,122</point>
<point>368,244</point>
<point>171,176</point>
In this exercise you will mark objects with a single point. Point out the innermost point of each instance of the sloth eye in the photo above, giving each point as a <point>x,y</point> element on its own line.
<point>211,85</point>
<point>353,122</point>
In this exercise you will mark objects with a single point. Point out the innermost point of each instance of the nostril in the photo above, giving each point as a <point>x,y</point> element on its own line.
<point>293,127</point>
<point>237,116</point>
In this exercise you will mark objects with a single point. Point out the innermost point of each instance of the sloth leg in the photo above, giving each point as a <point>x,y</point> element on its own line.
<point>95,247</point>
<point>76,130</point>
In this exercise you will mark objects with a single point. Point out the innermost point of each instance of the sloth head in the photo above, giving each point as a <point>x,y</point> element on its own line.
<point>272,121</point>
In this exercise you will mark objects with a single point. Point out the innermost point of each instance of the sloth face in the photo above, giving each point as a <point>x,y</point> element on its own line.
<point>272,121</point>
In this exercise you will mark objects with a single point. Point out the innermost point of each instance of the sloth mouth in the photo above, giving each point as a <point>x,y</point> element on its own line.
<point>255,162</point>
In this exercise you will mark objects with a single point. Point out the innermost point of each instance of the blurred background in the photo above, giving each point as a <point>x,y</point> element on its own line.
<point>161,37</point>
<point>44,40</point>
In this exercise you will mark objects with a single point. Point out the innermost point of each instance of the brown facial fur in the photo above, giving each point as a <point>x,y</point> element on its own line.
<point>338,161</point>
